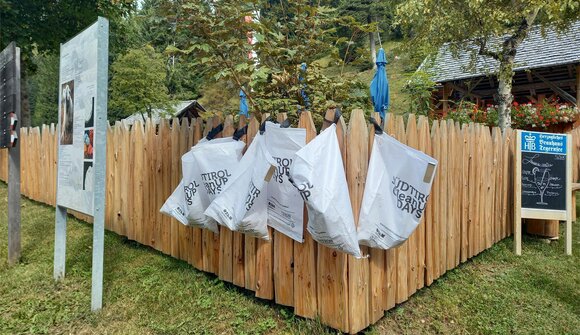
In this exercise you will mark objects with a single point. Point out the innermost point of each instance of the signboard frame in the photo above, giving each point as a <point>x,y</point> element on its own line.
<point>99,166</point>
<point>14,196</point>
<point>542,214</point>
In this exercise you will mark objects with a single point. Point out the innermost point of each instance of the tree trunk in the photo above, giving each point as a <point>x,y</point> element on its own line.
<point>373,50</point>
<point>372,42</point>
<point>505,96</point>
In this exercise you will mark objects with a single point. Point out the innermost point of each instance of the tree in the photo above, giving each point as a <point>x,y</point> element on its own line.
<point>40,26</point>
<point>44,85</point>
<point>471,26</point>
<point>288,33</point>
<point>138,84</point>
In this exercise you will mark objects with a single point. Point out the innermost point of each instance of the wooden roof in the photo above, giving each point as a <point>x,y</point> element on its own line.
<point>536,51</point>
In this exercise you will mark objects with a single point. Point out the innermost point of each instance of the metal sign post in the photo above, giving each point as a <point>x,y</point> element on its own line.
<point>9,116</point>
<point>82,144</point>
<point>543,179</point>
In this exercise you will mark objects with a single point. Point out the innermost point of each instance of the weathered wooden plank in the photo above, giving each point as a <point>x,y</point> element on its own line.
<point>458,185</point>
<point>250,242</point>
<point>332,267</point>
<point>424,146</point>
<point>175,178</point>
<point>181,146</point>
<point>444,190</point>
<point>305,302</point>
<point>390,255</point>
<point>164,168</point>
<point>432,228</point>
<point>283,260</point>
<point>265,261</point>
<point>196,233</point>
<point>378,283</point>
<point>449,137</point>
<point>465,158</point>
<point>238,272</point>
<point>126,181</point>
<point>118,175</point>
<point>401,251</point>
<point>412,140</point>
<point>138,135</point>
<point>226,235</point>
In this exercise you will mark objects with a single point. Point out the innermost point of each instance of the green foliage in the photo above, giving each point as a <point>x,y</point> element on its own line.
<point>303,33</point>
<point>419,89</point>
<point>44,102</point>
<point>138,84</point>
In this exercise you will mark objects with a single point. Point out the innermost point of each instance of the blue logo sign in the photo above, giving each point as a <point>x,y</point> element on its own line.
<point>545,143</point>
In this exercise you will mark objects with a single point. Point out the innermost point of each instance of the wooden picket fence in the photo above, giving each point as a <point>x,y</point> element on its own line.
<point>470,209</point>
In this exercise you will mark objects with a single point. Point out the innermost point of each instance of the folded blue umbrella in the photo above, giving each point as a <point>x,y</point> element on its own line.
<point>244,110</point>
<point>380,85</point>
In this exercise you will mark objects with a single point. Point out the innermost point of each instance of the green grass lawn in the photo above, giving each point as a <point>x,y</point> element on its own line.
<point>150,293</point>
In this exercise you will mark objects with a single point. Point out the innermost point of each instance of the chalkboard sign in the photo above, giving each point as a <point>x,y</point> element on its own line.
<point>543,181</point>
<point>543,176</point>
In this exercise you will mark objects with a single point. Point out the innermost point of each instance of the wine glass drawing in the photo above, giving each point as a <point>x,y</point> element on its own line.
<point>541,183</point>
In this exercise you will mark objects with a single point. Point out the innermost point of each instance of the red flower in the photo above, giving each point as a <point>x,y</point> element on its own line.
<point>516,103</point>
<point>541,117</point>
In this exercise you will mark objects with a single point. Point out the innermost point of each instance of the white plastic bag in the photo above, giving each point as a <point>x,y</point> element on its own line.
<point>285,205</point>
<point>216,161</point>
<point>398,184</point>
<point>242,206</point>
<point>196,199</point>
<point>318,173</point>
<point>175,206</point>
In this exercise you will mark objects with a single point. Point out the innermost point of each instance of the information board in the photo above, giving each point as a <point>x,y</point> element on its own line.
<point>543,179</point>
<point>76,117</point>
<point>82,142</point>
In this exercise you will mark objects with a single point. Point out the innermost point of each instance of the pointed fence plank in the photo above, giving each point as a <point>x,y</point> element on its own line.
<point>265,261</point>
<point>433,242</point>
<point>465,158</point>
<point>425,146</point>
<point>283,260</point>
<point>412,243</point>
<point>238,251</point>
<point>332,284</point>
<point>138,182</point>
<point>390,255</point>
<point>250,242</point>
<point>181,143</point>
<point>305,302</point>
<point>401,251</point>
<point>226,235</point>
<point>378,283</point>
<point>196,255</point>
<point>175,178</point>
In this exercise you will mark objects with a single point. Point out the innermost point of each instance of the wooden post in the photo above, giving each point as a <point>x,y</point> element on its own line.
<point>14,245</point>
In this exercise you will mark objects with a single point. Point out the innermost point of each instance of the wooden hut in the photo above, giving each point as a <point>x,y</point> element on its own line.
<point>547,65</point>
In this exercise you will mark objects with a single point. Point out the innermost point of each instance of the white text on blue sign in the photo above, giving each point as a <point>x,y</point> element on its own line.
<point>543,143</point>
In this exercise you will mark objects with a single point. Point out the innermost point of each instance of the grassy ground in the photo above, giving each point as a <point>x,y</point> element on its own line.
<point>149,293</point>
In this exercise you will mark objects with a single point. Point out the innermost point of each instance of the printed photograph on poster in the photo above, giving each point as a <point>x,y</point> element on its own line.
<point>67,113</point>
<point>90,118</point>
<point>88,143</point>
<point>88,176</point>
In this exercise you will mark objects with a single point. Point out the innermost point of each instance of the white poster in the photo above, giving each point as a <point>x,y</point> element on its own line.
<point>285,205</point>
<point>76,117</point>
